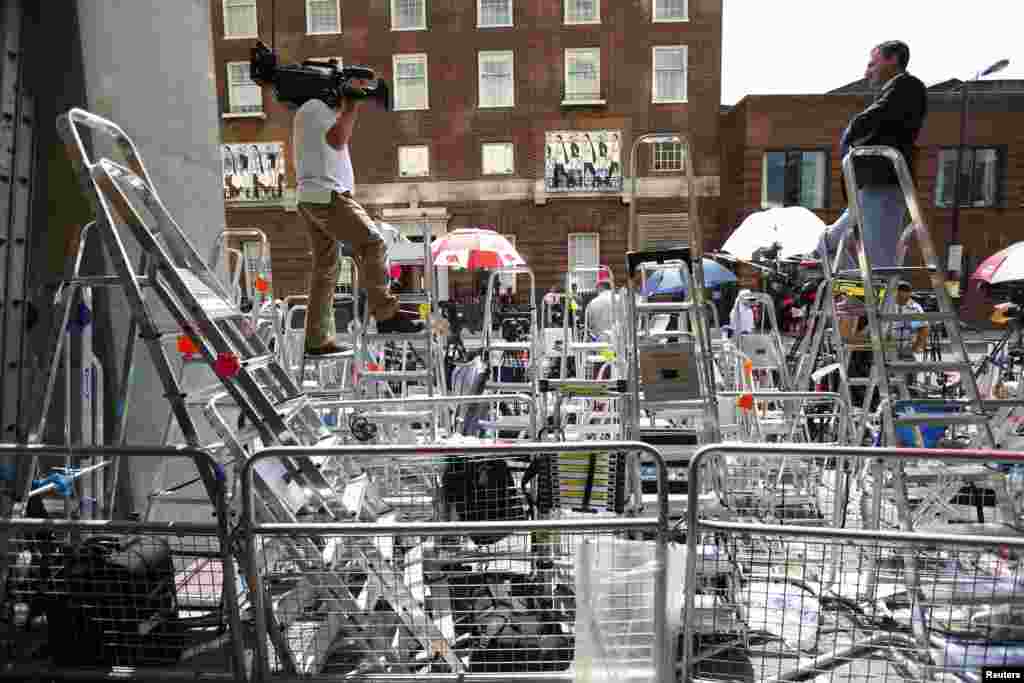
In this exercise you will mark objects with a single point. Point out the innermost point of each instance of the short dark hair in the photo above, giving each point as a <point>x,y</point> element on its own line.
<point>897,49</point>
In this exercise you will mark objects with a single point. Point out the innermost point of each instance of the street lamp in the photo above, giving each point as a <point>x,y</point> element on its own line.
<point>954,246</point>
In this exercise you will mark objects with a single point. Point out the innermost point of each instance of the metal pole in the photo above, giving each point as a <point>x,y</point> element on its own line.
<point>958,186</point>
<point>630,238</point>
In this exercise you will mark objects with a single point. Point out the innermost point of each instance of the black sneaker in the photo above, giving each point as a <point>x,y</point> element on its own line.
<point>399,325</point>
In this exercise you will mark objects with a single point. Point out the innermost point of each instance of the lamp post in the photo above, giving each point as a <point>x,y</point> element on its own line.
<point>954,242</point>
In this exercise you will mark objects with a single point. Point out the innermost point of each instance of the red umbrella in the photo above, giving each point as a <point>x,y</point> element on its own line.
<point>1006,265</point>
<point>474,249</point>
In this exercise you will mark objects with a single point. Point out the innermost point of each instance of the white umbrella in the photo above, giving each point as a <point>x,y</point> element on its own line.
<point>797,229</point>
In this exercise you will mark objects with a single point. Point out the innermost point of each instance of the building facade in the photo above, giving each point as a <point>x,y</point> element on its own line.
<point>514,114</point>
<point>783,150</point>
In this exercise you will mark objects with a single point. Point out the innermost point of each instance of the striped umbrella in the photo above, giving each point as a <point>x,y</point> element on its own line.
<point>473,249</point>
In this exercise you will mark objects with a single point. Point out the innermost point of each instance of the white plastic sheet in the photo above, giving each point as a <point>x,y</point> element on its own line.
<point>615,603</point>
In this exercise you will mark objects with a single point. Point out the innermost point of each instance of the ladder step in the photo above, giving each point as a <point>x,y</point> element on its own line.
<point>939,418</point>
<point>910,366</point>
<point>511,386</point>
<point>292,405</point>
<point>509,346</point>
<point>414,297</point>
<point>663,306</point>
<point>108,281</point>
<point>855,274</point>
<point>395,376</point>
<point>926,317</point>
<point>398,337</point>
<point>259,362</point>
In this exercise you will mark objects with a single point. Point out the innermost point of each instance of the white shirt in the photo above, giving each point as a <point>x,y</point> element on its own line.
<point>902,329</point>
<point>599,313</point>
<point>318,167</point>
<point>742,317</point>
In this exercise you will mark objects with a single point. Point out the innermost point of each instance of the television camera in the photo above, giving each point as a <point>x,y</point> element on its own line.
<point>296,84</point>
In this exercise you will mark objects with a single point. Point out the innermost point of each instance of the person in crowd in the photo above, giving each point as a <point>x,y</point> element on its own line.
<point>894,119</point>
<point>325,185</point>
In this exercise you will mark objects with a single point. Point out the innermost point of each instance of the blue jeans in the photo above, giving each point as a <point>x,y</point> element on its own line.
<point>883,209</point>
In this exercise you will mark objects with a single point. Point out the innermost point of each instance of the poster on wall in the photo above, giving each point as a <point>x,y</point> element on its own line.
<point>253,171</point>
<point>582,161</point>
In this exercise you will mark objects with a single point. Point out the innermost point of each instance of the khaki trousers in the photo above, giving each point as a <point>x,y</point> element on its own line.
<point>343,220</point>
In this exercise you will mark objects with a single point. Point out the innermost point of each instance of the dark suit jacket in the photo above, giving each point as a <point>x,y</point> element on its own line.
<point>894,119</point>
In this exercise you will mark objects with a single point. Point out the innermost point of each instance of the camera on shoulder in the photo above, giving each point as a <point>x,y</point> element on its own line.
<point>296,84</point>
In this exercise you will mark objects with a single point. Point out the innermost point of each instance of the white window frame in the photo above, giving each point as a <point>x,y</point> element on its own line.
<point>422,25</point>
<point>418,56</point>
<point>309,20</point>
<point>511,16</point>
<point>569,97</point>
<point>595,20</point>
<point>255,9</point>
<point>662,20</point>
<point>508,280</point>
<point>588,280</point>
<point>655,98</point>
<point>971,157</point>
<point>821,177</point>
<point>654,157</point>
<point>483,158</point>
<point>483,55</point>
<point>228,88</point>
<point>402,174</point>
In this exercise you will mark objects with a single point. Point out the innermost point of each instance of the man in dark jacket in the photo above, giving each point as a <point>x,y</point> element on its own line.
<point>894,119</point>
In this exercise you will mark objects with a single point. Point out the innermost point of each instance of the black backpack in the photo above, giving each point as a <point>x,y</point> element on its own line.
<point>482,490</point>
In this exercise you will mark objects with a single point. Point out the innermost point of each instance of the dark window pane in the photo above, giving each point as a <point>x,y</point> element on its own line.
<point>775,178</point>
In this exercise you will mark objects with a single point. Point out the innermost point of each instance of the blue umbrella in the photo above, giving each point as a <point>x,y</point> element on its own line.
<point>674,281</point>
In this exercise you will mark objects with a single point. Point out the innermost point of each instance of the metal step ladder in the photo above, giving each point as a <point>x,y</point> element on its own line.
<point>530,355</point>
<point>677,377</point>
<point>889,372</point>
<point>275,409</point>
<point>401,252</point>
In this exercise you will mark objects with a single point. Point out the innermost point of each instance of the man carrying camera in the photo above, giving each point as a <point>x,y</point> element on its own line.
<point>325,184</point>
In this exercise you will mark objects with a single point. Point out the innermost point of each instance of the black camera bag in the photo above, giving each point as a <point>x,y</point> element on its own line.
<point>117,605</point>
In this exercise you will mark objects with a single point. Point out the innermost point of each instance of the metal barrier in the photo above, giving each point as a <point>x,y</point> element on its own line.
<point>118,599</point>
<point>440,582</point>
<point>768,601</point>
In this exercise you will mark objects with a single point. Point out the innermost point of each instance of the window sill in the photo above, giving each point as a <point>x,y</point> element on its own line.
<point>682,101</point>
<point>670,21</point>
<point>241,37</point>
<point>495,26</point>
<point>413,28</point>
<point>243,115</point>
<point>324,33</point>
<point>592,22</point>
<point>411,109</point>
<point>584,103</point>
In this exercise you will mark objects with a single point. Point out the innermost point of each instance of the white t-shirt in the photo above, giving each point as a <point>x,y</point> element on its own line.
<point>599,313</point>
<point>318,166</point>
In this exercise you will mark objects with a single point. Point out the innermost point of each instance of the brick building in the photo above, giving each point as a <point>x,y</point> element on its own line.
<point>764,135</point>
<point>482,90</point>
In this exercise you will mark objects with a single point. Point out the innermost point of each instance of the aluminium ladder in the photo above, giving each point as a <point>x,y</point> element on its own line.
<point>277,411</point>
